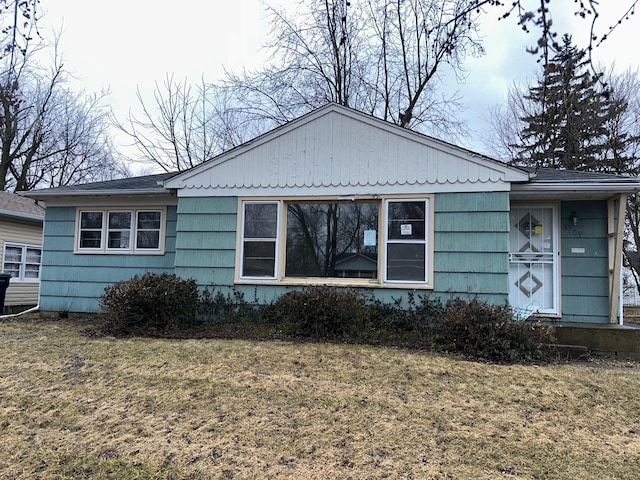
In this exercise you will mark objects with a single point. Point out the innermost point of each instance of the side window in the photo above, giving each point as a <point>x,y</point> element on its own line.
<point>406,241</point>
<point>12,260</point>
<point>90,235</point>
<point>148,229</point>
<point>119,231</point>
<point>22,262</point>
<point>259,239</point>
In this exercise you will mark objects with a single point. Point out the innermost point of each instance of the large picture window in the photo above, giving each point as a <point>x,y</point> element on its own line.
<point>22,262</point>
<point>120,231</point>
<point>358,241</point>
<point>332,240</point>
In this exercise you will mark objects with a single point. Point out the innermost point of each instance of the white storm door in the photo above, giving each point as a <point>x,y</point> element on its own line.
<point>533,259</point>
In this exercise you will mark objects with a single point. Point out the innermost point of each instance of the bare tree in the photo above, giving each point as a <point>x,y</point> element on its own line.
<point>382,57</point>
<point>50,135</point>
<point>183,125</point>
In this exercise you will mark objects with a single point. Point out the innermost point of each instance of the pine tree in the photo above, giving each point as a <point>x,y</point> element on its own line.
<point>571,126</point>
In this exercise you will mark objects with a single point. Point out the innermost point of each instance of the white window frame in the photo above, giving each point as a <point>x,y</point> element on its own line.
<point>420,242</point>
<point>109,230</point>
<point>279,270</point>
<point>23,261</point>
<point>133,231</point>
<point>244,240</point>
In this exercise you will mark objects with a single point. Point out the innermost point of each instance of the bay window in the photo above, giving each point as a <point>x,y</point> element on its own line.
<point>366,242</point>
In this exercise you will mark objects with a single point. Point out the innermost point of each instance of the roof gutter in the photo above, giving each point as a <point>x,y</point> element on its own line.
<point>92,193</point>
<point>564,187</point>
<point>26,216</point>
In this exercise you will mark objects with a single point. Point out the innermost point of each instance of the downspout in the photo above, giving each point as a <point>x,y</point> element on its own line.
<point>29,310</point>
<point>621,302</point>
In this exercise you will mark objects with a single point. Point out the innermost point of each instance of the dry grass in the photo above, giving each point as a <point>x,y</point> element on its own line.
<point>75,407</point>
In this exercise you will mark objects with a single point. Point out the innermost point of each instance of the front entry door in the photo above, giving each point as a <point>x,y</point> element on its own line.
<point>533,259</point>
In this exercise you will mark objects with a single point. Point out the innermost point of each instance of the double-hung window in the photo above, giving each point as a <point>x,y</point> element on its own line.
<point>259,239</point>
<point>120,231</point>
<point>406,241</point>
<point>22,262</point>
<point>362,242</point>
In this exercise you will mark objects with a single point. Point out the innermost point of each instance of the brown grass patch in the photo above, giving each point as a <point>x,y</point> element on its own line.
<point>77,407</point>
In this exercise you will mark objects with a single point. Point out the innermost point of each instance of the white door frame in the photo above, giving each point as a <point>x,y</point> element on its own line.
<point>534,260</point>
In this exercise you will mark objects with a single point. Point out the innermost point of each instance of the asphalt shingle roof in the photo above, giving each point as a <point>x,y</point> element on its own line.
<point>572,176</point>
<point>143,183</point>
<point>12,203</point>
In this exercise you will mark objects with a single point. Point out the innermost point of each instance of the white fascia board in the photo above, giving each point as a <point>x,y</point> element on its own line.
<point>91,193</point>
<point>114,199</point>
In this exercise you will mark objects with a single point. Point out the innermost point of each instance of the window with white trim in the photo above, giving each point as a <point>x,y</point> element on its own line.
<point>120,231</point>
<point>406,241</point>
<point>259,239</point>
<point>354,241</point>
<point>22,262</point>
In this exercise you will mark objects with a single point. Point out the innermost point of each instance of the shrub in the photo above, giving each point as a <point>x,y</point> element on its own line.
<point>150,302</point>
<point>482,330</point>
<point>319,312</point>
<point>216,307</point>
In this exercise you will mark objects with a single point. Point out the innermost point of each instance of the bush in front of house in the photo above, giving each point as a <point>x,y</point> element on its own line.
<point>216,307</point>
<point>150,302</point>
<point>482,330</point>
<point>319,313</point>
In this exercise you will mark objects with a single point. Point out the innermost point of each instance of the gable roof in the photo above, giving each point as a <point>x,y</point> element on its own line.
<point>348,152</point>
<point>14,205</point>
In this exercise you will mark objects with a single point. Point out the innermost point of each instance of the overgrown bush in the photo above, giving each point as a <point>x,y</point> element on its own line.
<point>151,302</point>
<point>319,313</point>
<point>482,330</point>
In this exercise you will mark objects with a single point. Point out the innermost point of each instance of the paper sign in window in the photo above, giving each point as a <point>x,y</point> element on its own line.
<point>405,229</point>
<point>369,238</point>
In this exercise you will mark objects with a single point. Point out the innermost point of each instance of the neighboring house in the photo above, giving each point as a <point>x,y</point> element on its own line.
<point>340,198</point>
<point>20,249</point>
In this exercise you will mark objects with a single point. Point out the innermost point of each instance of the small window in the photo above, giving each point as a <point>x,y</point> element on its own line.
<point>148,228</point>
<point>22,262</point>
<point>406,241</point>
<point>120,231</point>
<point>259,239</point>
<point>90,230</point>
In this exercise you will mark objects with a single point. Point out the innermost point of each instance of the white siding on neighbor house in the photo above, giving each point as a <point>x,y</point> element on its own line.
<point>346,153</point>
<point>20,232</point>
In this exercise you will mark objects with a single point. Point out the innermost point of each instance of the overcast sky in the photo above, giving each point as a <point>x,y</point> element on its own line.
<point>125,44</point>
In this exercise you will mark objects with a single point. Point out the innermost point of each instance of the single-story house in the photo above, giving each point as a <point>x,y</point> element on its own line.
<point>20,249</point>
<point>340,198</point>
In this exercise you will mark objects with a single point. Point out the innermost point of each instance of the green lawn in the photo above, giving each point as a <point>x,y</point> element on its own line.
<point>79,407</point>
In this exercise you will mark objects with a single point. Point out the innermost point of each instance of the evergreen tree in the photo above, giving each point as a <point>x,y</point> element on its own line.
<point>571,124</point>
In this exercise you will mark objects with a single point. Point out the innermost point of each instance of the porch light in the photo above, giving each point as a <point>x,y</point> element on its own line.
<point>573,218</point>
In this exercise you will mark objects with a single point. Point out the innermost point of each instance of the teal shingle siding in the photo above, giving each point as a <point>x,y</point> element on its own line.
<point>470,261</point>
<point>75,282</point>
<point>206,240</point>
<point>585,281</point>
<point>471,245</point>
